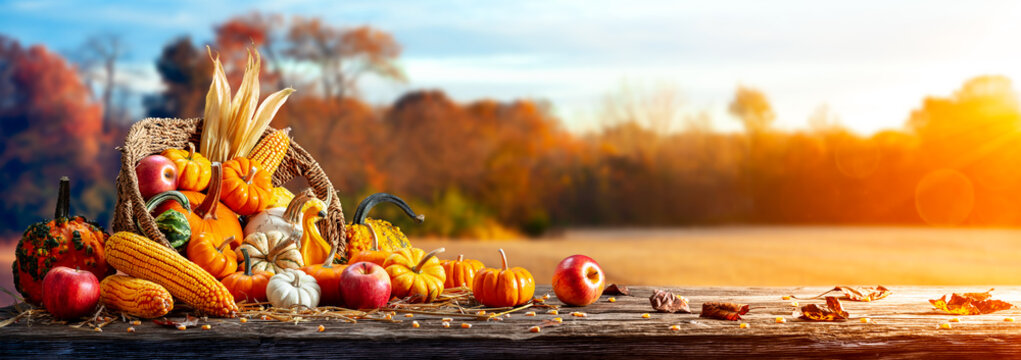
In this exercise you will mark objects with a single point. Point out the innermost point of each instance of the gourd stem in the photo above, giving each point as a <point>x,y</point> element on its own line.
<point>207,210</point>
<point>366,205</point>
<point>293,210</point>
<point>161,198</point>
<point>425,258</point>
<point>248,261</point>
<point>503,256</point>
<point>297,279</point>
<point>191,151</point>
<point>63,199</point>
<point>225,242</point>
<point>329,257</point>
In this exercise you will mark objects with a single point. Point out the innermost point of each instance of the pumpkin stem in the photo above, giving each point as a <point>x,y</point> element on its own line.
<point>425,258</point>
<point>375,237</point>
<point>207,209</point>
<point>63,199</point>
<point>248,261</point>
<point>366,205</point>
<point>297,278</point>
<point>225,242</point>
<point>503,255</point>
<point>191,151</point>
<point>460,257</point>
<point>248,176</point>
<point>293,210</point>
<point>329,257</point>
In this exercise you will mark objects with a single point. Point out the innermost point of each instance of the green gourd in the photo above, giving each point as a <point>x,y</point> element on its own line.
<point>172,223</point>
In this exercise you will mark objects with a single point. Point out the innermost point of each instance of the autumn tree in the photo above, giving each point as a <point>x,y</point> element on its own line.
<point>49,128</point>
<point>98,58</point>
<point>753,108</point>
<point>186,72</point>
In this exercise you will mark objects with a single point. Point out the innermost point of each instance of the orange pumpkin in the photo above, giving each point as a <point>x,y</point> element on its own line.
<point>247,188</point>
<point>207,251</point>
<point>248,285</point>
<point>460,272</point>
<point>414,274</point>
<point>373,255</point>
<point>503,287</point>
<point>193,170</point>
<point>327,275</point>
<point>208,215</point>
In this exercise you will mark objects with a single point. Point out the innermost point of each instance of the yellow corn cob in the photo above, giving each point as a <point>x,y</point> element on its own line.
<point>137,297</point>
<point>281,197</point>
<point>270,151</point>
<point>142,258</point>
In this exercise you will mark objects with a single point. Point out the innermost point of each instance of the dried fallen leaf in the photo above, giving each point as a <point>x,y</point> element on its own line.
<point>856,293</point>
<point>833,311</point>
<point>970,303</point>
<point>723,311</point>
<point>615,289</point>
<point>188,321</point>
<point>668,302</point>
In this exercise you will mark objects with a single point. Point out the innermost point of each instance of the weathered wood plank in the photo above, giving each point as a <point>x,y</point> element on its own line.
<point>902,325</point>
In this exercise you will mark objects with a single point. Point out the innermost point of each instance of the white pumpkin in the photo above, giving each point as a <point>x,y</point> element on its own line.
<point>293,287</point>
<point>285,220</point>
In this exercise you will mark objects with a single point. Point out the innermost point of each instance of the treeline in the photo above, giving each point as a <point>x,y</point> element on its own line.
<point>488,169</point>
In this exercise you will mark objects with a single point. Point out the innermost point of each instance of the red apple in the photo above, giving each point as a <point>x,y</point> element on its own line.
<point>156,174</point>
<point>578,280</point>
<point>70,293</point>
<point>364,285</point>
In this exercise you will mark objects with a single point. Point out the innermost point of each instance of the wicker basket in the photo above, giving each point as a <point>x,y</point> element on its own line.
<point>152,136</point>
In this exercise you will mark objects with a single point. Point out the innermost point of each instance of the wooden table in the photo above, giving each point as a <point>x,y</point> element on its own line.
<point>902,325</point>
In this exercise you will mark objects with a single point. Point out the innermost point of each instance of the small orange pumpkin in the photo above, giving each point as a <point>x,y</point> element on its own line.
<point>373,255</point>
<point>207,214</point>
<point>327,275</point>
<point>247,188</point>
<point>503,287</point>
<point>208,251</point>
<point>415,274</point>
<point>193,170</point>
<point>248,285</point>
<point>460,272</point>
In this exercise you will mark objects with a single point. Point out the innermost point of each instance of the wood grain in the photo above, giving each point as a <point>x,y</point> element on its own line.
<point>902,325</point>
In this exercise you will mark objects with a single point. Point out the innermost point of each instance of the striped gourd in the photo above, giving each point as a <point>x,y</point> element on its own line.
<point>136,297</point>
<point>271,149</point>
<point>137,256</point>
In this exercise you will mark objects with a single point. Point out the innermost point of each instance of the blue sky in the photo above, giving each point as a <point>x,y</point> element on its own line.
<point>870,63</point>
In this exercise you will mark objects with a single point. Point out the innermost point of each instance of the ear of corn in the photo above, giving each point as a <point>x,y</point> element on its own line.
<point>270,151</point>
<point>142,258</point>
<point>137,297</point>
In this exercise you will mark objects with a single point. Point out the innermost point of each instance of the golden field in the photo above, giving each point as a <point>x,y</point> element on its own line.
<point>753,256</point>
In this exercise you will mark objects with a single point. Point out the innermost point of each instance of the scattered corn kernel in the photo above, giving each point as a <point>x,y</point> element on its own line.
<point>786,297</point>
<point>545,297</point>
<point>538,300</point>
<point>553,312</point>
<point>558,320</point>
<point>393,313</point>
<point>530,313</point>
<point>1008,319</point>
<point>409,315</point>
<point>97,329</point>
<point>415,324</point>
<point>646,316</point>
<point>944,326</point>
<point>265,317</point>
<point>446,324</point>
<point>535,329</point>
<point>955,320</point>
<point>780,320</point>
<point>794,303</point>
<point>480,312</point>
<point>131,329</point>
<point>447,319</point>
<point>675,327</point>
<point>745,325</point>
<point>865,320</point>
<point>612,299</point>
<point>136,323</point>
<point>578,314</point>
<point>206,327</point>
<point>243,320</point>
<point>506,315</point>
<point>321,328</point>
<point>466,326</point>
<point>182,327</point>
